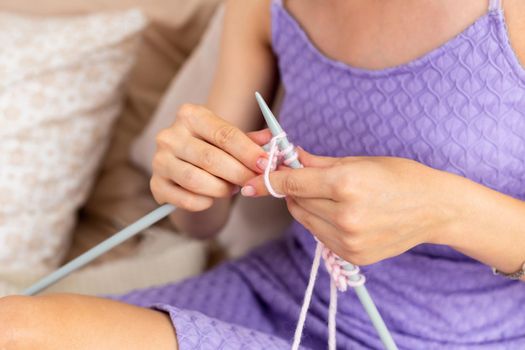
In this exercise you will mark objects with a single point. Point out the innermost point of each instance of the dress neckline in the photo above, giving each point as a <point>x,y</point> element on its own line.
<point>397,69</point>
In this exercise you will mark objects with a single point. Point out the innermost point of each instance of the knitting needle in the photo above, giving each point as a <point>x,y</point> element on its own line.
<point>361,291</point>
<point>102,248</point>
<point>276,129</point>
<point>110,243</point>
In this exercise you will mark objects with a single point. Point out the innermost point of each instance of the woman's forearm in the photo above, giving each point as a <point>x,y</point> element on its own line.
<point>203,224</point>
<point>491,228</point>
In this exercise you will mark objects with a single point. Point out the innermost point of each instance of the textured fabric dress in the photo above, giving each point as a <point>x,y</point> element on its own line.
<point>459,108</point>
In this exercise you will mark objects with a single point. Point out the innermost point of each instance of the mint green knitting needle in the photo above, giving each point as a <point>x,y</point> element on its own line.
<point>110,243</point>
<point>361,291</point>
<point>102,248</point>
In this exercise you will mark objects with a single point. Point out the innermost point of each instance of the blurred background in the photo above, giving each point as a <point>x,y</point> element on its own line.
<point>84,88</point>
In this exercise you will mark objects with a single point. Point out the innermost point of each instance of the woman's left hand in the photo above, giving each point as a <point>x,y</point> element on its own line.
<point>366,209</point>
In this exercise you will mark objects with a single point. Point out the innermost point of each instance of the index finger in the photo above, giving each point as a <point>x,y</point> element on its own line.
<point>223,135</point>
<point>303,183</point>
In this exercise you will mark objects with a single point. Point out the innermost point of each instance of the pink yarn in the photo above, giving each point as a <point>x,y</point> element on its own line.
<point>341,272</point>
<point>276,157</point>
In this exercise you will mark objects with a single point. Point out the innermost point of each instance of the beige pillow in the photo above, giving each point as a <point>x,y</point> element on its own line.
<point>60,91</point>
<point>121,191</point>
<point>253,221</point>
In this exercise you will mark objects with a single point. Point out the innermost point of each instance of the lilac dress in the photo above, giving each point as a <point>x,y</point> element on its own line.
<point>459,108</point>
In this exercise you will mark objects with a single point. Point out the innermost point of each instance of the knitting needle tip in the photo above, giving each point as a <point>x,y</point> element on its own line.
<point>270,119</point>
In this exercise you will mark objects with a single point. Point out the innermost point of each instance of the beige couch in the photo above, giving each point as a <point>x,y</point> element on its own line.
<point>121,192</point>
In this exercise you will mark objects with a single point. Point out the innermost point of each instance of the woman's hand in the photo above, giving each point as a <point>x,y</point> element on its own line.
<point>367,209</point>
<point>200,158</point>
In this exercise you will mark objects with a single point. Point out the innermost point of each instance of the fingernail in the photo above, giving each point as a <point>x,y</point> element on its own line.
<point>236,190</point>
<point>248,191</point>
<point>262,163</point>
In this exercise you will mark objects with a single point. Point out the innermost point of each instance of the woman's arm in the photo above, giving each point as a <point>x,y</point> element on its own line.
<point>491,228</point>
<point>246,65</point>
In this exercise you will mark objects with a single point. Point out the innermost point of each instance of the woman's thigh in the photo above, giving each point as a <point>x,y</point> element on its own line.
<point>66,321</point>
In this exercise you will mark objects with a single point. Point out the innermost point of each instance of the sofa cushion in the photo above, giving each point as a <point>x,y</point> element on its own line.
<point>61,87</point>
<point>121,193</point>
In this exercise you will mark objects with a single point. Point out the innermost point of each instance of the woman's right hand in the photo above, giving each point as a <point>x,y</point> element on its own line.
<point>202,157</point>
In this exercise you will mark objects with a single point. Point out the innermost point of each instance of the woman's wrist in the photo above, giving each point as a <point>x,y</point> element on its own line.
<point>488,226</point>
<point>452,192</point>
<point>204,224</point>
<point>459,206</point>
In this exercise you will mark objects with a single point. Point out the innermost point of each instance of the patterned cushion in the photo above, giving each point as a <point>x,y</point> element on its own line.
<point>60,92</point>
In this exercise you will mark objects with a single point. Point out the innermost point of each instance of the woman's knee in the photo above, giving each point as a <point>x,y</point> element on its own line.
<point>13,314</point>
<point>78,322</point>
<point>24,323</point>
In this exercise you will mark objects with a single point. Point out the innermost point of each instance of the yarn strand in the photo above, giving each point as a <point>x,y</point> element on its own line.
<point>273,156</point>
<point>338,269</point>
<point>332,316</point>
<point>307,298</point>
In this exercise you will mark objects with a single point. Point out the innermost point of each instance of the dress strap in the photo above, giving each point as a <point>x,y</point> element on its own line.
<point>278,2</point>
<point>495,5</point>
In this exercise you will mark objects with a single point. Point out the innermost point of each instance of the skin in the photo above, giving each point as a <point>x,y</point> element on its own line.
<point>205,156</point>
<point>79,322</point>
